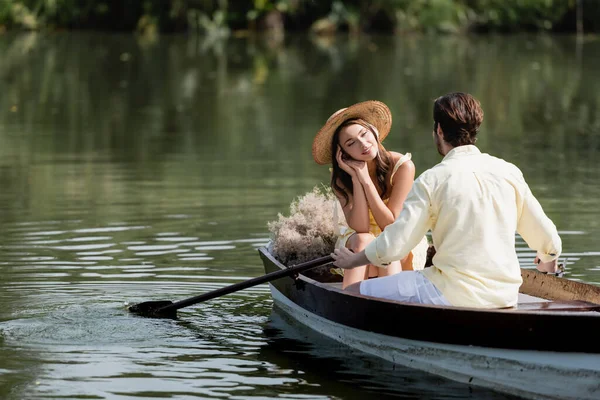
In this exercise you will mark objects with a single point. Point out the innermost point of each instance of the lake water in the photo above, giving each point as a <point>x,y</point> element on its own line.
<point>138,169</point>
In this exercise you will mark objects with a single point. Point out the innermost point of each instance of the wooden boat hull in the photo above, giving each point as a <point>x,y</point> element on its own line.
<point>536,354</point>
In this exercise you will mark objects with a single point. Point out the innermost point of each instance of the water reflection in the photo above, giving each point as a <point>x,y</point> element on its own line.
<point>82,109</point>
<point>136,170</point>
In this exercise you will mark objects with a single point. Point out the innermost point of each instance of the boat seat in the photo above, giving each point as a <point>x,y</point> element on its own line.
<point>527,302</point>
<point>527,298</point>
<point>558,305</point>
<point>531,303</point>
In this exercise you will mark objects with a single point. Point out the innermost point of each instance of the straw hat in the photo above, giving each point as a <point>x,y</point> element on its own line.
<point>374,112</point>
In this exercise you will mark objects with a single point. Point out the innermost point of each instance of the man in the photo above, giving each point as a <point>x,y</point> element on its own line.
<point>473,204</point>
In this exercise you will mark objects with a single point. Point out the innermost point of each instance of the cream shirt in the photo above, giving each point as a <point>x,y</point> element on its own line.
<point>473,204</point>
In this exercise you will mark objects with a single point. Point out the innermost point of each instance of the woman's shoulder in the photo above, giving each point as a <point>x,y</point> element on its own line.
<point>398,159</point>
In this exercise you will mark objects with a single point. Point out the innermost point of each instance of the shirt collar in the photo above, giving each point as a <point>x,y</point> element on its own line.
<point>461,151</point>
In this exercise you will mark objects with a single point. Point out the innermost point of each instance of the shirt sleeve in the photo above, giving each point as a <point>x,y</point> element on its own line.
<point>400,237</point>
<point>537,229</point>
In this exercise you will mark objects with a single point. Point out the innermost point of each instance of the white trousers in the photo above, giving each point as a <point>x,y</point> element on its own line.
<point>406,286</point>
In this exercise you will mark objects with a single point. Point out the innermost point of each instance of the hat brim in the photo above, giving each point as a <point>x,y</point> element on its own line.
<point>374,112</point>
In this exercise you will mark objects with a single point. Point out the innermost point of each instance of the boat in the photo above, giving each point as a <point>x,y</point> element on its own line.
<point>546,347</point>
<point>336,371</point>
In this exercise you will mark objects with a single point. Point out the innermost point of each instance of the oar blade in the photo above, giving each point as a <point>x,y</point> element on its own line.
<point>152,309</point>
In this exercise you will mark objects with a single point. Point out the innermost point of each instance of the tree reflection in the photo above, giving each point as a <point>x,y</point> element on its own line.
<point>226,103</point>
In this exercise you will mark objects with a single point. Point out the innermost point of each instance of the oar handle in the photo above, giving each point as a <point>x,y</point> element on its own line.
<point>296,269</point>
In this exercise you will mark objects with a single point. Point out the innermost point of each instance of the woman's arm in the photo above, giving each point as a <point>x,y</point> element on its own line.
<point>401,184</point>
<point>356,209</point>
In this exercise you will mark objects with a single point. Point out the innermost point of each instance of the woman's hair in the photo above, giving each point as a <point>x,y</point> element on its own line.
<point>341,182</point>
<point>459,115</point>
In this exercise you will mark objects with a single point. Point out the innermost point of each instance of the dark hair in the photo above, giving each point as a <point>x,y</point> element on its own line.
<point>341,181</point>
<point>460,116</point>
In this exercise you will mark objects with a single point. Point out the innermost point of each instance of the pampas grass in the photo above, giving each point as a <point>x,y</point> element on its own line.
<point>308,232</point>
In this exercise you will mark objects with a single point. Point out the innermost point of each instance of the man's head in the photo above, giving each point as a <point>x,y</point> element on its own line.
<point>457,117</point>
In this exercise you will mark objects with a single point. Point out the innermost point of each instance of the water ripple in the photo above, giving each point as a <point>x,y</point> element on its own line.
<point>73,319</point>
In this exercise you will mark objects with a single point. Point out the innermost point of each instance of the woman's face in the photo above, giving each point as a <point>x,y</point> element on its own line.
<point>359,142</point>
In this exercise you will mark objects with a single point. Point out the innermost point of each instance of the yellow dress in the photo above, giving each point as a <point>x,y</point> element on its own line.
<point>419,253</point>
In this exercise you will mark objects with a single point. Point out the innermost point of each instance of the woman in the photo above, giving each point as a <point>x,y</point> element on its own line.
<point>370,182</point>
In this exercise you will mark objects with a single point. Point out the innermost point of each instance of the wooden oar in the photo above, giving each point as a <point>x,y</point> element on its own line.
<point>168,309</point>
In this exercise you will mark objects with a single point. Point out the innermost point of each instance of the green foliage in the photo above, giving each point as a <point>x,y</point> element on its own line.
<point>432,16</point>
<point>447,16</point>
<point>512,15</point>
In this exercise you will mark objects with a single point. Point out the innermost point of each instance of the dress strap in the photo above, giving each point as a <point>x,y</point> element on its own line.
<point>401,161</point>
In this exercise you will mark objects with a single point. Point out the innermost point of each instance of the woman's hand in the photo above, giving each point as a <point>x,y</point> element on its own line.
<point>361,171</point>
<point>344,163</point>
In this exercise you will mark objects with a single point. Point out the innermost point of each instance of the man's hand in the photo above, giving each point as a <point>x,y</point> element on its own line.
<point>550,267</point>
<point>346,259</point>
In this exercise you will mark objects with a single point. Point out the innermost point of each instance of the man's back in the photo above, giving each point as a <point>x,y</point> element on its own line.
<point>477,202</point>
